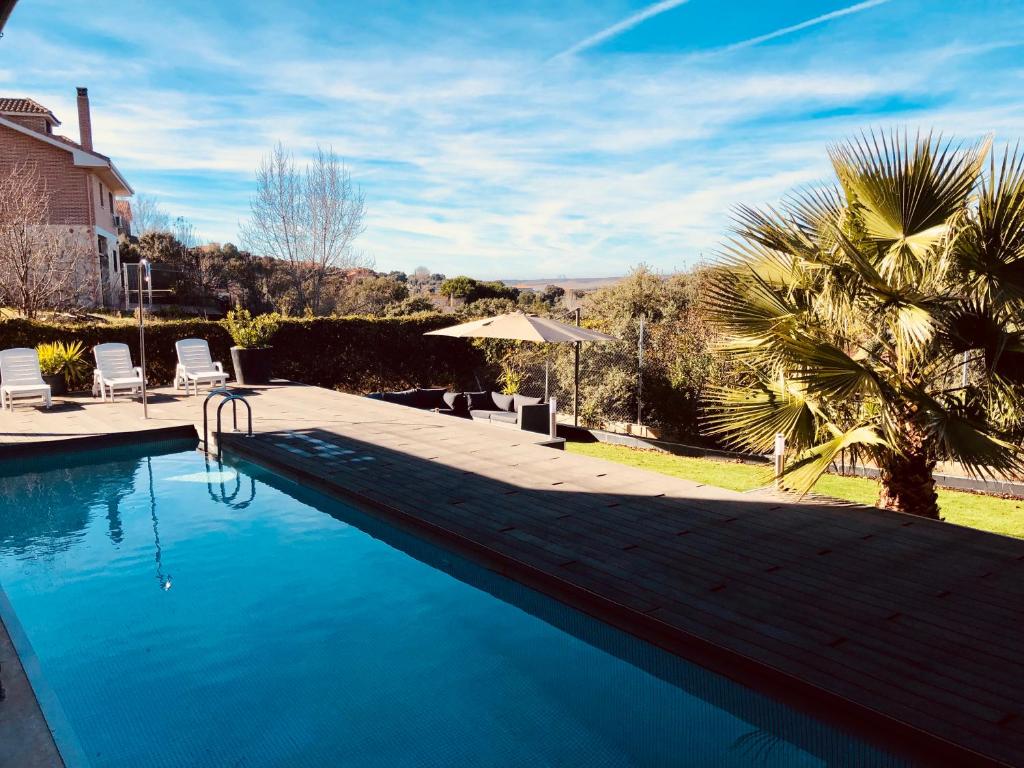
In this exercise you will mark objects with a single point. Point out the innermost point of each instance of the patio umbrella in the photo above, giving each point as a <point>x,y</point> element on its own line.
<point>519,326</point>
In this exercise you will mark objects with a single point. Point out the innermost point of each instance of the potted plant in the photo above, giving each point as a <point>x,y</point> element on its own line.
<point>62,365</point>
<point>252,355</point>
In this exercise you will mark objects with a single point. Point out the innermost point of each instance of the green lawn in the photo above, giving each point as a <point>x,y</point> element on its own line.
<point>1005,516</point>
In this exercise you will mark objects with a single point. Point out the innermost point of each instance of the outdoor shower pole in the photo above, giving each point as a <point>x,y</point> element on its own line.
<point>143,264</point>
<point>576,375</point>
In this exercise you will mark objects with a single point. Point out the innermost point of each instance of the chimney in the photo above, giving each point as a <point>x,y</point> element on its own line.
<point>84,120</point>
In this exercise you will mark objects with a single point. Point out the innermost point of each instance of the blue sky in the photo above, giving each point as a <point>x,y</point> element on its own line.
<point>529,139</point>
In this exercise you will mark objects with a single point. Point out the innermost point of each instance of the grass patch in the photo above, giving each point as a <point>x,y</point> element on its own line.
<point>987,513</point>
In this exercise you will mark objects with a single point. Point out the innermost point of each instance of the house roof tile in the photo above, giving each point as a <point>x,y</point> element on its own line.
<point>20,106</point>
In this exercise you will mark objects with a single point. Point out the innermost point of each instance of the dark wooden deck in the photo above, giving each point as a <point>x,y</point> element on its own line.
<point>907,629</point>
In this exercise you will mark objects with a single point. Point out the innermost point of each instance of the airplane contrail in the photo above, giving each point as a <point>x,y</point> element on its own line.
<point>802,25</point>
<point>617,29</point>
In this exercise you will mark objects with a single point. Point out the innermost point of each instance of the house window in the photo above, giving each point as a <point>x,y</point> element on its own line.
<point>101,192</point>
<point>110,199</point>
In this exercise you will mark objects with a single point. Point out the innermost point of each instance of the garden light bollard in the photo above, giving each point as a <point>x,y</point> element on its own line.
<point>553,417</point>
<point>780,458</point>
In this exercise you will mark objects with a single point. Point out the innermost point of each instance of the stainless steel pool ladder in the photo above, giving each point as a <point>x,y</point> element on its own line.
<point>227,396</point>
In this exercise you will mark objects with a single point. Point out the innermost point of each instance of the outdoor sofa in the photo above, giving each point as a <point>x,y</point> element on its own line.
<point>528,413</point>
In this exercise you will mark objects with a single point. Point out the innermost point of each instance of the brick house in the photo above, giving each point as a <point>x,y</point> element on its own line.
<point>83,184</point>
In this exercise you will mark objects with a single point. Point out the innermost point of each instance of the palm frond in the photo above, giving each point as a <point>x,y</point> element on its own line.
<point>771,229</point>
<point>750,418</point>
<point>812,463</point>
<point>746,305</point>
<point>907,191</point>
<point>962,440</point>
<point>914,327</point>
<point>827,372</point>
<point>990,249</point>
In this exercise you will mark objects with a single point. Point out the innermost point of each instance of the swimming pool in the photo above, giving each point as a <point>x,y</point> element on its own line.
<point>187,614</point>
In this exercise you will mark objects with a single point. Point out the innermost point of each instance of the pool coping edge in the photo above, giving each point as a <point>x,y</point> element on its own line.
<point>92,442</point>
<point>64,737</point>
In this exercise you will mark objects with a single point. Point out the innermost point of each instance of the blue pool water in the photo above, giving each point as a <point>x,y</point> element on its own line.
<point>185,614</point>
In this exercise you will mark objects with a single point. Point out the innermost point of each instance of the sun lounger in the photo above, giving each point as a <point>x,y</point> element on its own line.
<point>196,366</point>
<point>20,377</point>
<point>114,371</point>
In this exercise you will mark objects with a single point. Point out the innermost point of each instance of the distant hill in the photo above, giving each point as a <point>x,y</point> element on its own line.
<point>568,283</point>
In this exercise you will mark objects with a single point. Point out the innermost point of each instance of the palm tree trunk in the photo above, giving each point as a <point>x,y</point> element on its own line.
<point>907,483</point>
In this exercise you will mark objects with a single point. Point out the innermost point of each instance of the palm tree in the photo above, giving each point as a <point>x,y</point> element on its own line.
<point>883,315</point>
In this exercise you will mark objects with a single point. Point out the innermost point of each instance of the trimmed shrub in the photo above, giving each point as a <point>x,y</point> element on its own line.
<point>364,354</point>
<point>353,354</point>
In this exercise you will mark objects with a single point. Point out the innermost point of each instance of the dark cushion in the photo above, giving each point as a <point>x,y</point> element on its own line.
<point>456,401</point>
<point>405,397</point>
<point>376,395</point>
<point>430,398</point>
<point>520,400</point>
<point>535,418</point>
<point>502,402</point>
<point>479,401</point>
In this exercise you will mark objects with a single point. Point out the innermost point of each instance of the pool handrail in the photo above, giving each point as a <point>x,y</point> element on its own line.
<point>226,396</point>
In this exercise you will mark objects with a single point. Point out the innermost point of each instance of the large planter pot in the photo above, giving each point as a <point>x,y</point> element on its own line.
<point>58,386</point>
<point>252,365</point>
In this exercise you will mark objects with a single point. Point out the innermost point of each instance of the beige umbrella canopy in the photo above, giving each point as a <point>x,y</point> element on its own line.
<point>520,326</point>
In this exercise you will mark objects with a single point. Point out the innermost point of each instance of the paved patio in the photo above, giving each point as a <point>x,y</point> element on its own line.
<point>25,739</point>
<point>909,629</point>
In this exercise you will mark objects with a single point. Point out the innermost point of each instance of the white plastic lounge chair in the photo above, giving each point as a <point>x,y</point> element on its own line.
<point>20,377</point>
<point>195,366</point>
<point>114,371</point>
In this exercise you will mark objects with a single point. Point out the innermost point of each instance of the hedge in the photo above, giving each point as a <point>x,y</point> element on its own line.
<point>354,354</point>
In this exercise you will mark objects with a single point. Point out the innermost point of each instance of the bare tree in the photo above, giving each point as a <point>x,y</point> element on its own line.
<point>148,216</point>
<point>335,211</point>
<point>308,219</point>
<point>185,233</point>
<point>275,226</point>
<point>42,265</point>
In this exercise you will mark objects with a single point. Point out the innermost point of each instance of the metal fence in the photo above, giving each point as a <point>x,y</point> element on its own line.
<point>169,289</point>
<point>611,380</point>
